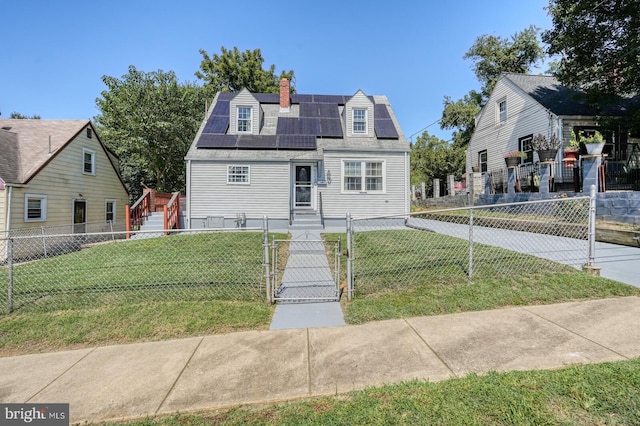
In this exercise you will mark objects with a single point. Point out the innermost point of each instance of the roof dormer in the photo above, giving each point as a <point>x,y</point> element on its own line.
<point>359,116</point>
<point>245,114</point>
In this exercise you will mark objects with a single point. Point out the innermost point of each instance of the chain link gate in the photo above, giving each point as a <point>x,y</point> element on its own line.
<point>305,271</point>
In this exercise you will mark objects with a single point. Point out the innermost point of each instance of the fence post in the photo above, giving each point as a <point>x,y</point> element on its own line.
<point>592,226</point>
<point>470,244</point>
<point>349,258</point>
<point>267,262</point>
<point>10,281</point>
<point>44,242</point>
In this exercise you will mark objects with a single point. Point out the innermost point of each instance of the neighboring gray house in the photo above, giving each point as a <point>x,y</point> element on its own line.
<point>298,159</point>
<point>522,106</point>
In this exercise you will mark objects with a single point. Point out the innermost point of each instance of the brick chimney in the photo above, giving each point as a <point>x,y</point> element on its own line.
<point>285,100</point>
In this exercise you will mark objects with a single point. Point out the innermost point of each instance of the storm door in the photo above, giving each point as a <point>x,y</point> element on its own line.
<point>79,216</point>
<point>303,187</point>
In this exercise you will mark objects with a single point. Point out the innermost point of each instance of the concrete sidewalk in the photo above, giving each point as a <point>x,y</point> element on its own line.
<point>136,380</point>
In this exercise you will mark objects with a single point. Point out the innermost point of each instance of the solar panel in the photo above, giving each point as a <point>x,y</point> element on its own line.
<point>330,127</point>
<point>296,142</point>
<point>298,99</point>
<point>330,99</point>
<point>328,110</point>
<point>385,129</point>
<point>217,125</point>
<point>226,96</point>
<point>309,126</point>
<point>308,109</point>
<point>208,140</point>
<point>267,98</point>
<point>380,112</point>
<point>257,142</point>
<point>221,108</point>
<point>287,126</point>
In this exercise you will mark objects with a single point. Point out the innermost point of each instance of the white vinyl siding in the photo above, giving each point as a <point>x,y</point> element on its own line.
<point>35,207</point>
<point>238,175</point>
<point>268,194</point>
<point>393,200</point>
<point>525,117</point>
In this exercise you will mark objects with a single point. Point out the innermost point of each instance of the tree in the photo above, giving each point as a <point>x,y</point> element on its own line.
<point>232,70</point>
<point>24,117</point>
<point>433,158</point>
<point>598,42</point>
<point>491,56</point>
<point>149,120</point>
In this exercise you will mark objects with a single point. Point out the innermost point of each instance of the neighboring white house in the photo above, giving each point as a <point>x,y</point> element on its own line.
<point>298,159</point>
<point>521,106</point>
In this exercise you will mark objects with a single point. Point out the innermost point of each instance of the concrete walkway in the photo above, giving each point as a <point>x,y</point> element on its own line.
<point>142,379</point>
<point>308,281</point>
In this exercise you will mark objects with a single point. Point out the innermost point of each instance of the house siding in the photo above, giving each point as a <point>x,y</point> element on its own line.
<point>525,116</point>
<point>267,193</point>
<point>245,98</point>
<point>62,181</point>
<point>336,204</point>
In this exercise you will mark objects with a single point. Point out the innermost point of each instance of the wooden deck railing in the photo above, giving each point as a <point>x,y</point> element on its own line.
<point>172,212</point>
<point>152,201</point>
<point>136,214</point>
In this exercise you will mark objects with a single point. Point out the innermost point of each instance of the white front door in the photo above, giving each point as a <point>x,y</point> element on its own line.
<point>304,186</point>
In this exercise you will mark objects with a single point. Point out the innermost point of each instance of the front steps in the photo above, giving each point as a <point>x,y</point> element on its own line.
<point>303,220</point>
<point>154,222</point>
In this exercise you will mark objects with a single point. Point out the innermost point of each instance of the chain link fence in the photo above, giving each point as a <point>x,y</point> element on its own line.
<point>464,244</point>
<point>61,271</point>
<point>305,270</point>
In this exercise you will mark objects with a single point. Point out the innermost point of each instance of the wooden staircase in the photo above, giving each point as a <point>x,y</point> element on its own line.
<point>154,211</point>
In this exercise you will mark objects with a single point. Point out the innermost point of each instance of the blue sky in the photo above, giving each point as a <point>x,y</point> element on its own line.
<point>56,52</point>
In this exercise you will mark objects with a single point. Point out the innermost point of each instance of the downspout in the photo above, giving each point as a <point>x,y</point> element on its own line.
<point>406,183</point>
<point>8,222</point>
<point>188,197</point>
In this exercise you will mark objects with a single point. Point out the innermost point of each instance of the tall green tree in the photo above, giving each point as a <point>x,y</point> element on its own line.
<point>433,158</point>
<point>149,120</point>
<point>491,56</point>
<point>232,70</point>
<point>598,42</point>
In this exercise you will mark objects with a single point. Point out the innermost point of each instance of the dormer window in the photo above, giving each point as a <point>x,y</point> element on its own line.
<point>245,114</point>
<point>359,120</point>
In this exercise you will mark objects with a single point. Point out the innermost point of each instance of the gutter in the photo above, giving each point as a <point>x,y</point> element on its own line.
<point>8,221</point>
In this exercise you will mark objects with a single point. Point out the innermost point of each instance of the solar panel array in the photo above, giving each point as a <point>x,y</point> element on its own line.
<point>319,116</point>
<point>382,123</point>
<point>261,142</point>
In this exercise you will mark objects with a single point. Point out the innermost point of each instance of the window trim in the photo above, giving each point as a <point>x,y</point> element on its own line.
<point>529,152</point>
<point>93,161</point>
<point>501,116</point>
<point>483,165</point>
<point>365,121</point>
<point>248,174</point>
<point>43,207</point>
<point>248,120</point>
<point>106,212</point>
<point>363,176</point>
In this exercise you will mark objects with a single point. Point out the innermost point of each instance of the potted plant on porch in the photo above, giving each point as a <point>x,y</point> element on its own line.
<point>513,158</point>
<point>593,143</point>
<point>547,149</point>
<point>570,153</point>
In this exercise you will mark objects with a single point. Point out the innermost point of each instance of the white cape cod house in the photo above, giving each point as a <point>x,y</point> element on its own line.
<point>300,160</point>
